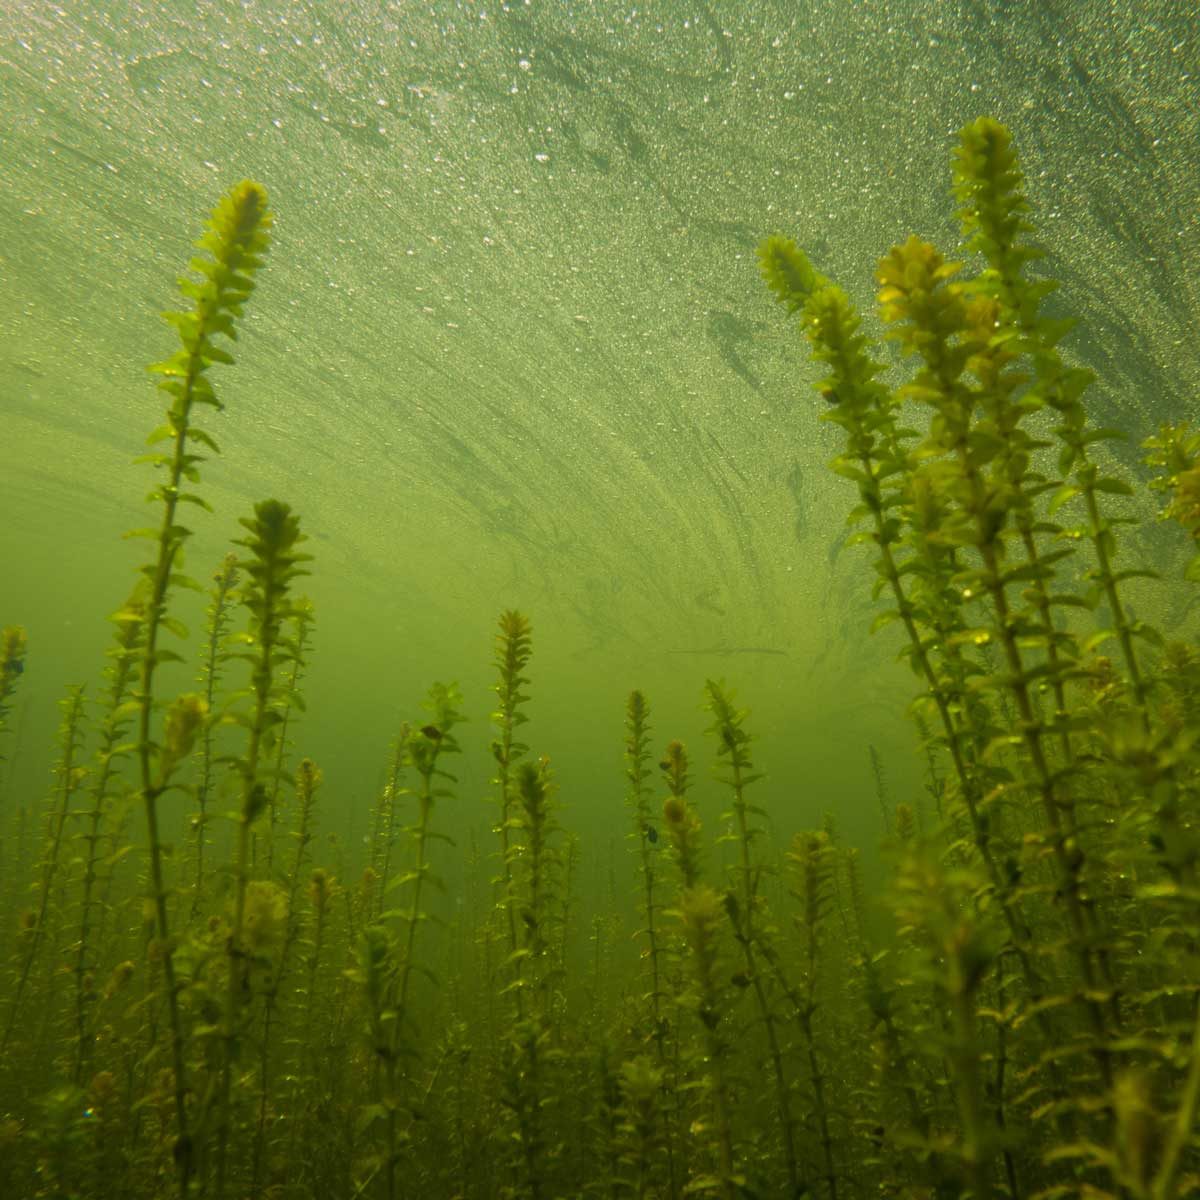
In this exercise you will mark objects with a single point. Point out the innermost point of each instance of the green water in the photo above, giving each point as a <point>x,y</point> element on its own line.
<point>511,350</point>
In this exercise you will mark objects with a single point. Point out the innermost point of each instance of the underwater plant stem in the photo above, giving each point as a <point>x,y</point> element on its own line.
<point>930,308</point>
<point>14,646</point>
<point>532,1030</point>
<point>700,910</point>
<point>748,935</point>
<point>700,907</point>
<point>420,868</point>
<point>264,1092</point>
<point>69,734</point>
<point>1018,929</point>
<point>272,565</point>
<point>806,1012</point>
<point>1053,658</point>
<point>660,1030</point>
<point>1183,1125</point>
<point>968,787</point>
<point>1099,538</point>
<point>276,776</point>
<point>385,831</point>
<point>512,656</point>
<point>998,1086</point>
<point>305,1067</point>
<point>183,1154</point>
<point>128,637</point>
<point>233,992</point>
<point>733,743</point>
<point>1069,860</point>
<point>388,988</point>
<point>969,1092</point>
<point>302,614</point>
<point>873,456</point>
<point>898,1058</point>
<point>225,578</point>
<point>169,545</point>
<point>637,755</point>
<point>82,998</point>
<point>653,948</point>
<point>743,933</point>
<point>811,854</point>
<point>916,293</point>
<point>308,778</point>
<point>393,1131</point>
<point>822,1107</point>
<point>880,788</point>
<point>237,236</point>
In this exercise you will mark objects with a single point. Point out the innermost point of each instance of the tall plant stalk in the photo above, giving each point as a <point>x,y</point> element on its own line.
<point>271,566</point>
<point>512,654</point>
<point>125,655</point>
<point>296,647</point>
<point>308,779</point>
<point>219,607</point>
<point>235,242</point>
<point>637,774</point>
<point>744,904</point>
<point>69,777</point>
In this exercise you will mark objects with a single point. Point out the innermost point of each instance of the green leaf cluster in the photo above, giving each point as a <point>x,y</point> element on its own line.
<point>994,520</point>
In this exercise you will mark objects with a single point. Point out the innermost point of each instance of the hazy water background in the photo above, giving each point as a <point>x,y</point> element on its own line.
<point>511,348</point>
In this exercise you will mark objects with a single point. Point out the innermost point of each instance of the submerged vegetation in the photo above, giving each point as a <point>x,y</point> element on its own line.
<point>217,1010</point>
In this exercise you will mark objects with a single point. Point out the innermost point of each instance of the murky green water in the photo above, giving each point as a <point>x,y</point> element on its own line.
<point>511,349</point>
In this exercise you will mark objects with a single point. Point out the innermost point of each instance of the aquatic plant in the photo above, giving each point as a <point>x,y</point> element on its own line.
<point>234,244</point>
<point>308,779</point>
<point>217,617</point>
<point>513,650</point>
<point>295,646</point>
<point>702,914</point>
<point>745,907</point>
<point>1014,1016</point>
<point>965,521</point>
<point>125,654</point>
<point>679,819</point>
<point>812,859</point>
<point>639,1124</point>
<point>959,945</point>
<point>641,1116</point>
<point>385,818</point>
<point>532,1039</point>
<point>311,1003</point>
<point>530,898</point>
<point>387,959</point>
<point>271,566</point>
<point>1175,451</point>
<point>14,645</point>
<point>34,922</point>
